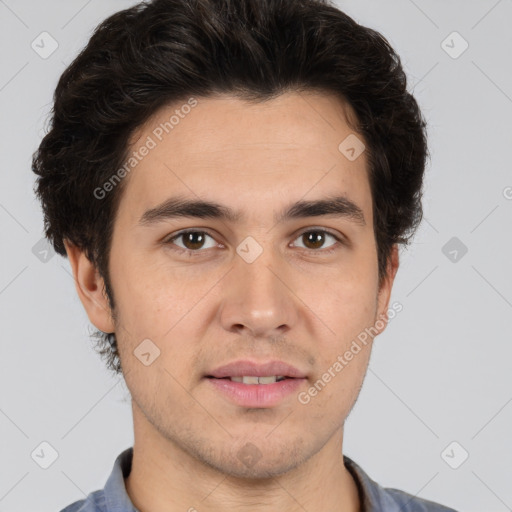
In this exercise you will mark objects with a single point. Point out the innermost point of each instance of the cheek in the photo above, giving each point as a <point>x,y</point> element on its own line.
<point>142,307</point>
<point>348,307</point>
<point>352,309</point>
<point>164,305</point>
<point>348,300</point>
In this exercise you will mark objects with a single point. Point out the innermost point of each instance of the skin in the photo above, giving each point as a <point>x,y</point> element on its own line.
<point>295,303</point>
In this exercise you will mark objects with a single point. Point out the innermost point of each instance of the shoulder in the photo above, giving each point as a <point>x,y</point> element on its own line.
<point>409,503</point>
<point>113,496</point>
<point>94,502</point>
<point>375,498</point>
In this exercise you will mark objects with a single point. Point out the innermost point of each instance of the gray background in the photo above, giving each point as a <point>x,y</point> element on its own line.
<point>440,373</point>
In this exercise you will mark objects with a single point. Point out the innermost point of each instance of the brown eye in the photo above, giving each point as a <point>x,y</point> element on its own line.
<point>314,239</point>
<point>192,241</point>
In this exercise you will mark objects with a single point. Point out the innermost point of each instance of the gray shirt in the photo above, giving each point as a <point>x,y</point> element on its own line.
<point>374,498</point>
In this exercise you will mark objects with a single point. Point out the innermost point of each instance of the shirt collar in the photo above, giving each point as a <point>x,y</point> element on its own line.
<point>372,496</point>
<point>116,497</point>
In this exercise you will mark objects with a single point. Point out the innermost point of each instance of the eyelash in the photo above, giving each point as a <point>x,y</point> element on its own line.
<point>189,252</point>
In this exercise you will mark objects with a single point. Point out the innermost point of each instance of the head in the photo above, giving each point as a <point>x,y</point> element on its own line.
<point>246,104</point>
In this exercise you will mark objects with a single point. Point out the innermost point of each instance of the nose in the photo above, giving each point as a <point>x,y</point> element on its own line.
<point>258,298</point>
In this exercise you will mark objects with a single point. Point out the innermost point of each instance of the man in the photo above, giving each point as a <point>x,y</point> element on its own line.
<point>230,181</point>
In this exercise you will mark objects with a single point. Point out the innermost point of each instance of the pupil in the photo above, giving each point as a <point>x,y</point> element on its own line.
<point>315,237</point>
<point>189,240</point>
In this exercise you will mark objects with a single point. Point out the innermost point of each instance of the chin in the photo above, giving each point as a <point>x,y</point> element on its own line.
<point>259,459</point>
<point>260,471</point>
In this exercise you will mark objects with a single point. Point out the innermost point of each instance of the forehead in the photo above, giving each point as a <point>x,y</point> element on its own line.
<point>240,153</point>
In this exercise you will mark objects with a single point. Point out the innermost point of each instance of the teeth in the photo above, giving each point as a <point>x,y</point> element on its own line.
<point>257,380</point>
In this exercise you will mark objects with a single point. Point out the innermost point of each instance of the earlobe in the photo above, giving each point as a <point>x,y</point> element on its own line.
<point>90,288</point>
<point>385,290</point>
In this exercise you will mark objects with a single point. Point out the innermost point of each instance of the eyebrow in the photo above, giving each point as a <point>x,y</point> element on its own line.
<point>175,207</point>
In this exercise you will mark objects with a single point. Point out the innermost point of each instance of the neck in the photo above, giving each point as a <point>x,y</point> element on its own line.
<point>166,478</point>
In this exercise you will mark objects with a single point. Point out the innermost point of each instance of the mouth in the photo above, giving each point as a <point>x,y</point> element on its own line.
<point>256,372</point>
<point>256,384</point>
<point>255,392</point>
<point>271,379</point>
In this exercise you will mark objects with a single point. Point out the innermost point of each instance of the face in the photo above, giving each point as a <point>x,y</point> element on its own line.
<point>259,285</point>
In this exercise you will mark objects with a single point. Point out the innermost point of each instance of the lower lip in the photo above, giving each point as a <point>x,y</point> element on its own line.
<point>256,395</point>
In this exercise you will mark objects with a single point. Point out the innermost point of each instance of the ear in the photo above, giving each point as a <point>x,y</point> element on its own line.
<point>385,289</point>
<point>90,288</point>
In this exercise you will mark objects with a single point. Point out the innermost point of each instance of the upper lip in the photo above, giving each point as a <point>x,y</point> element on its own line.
<point>247,368</point>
